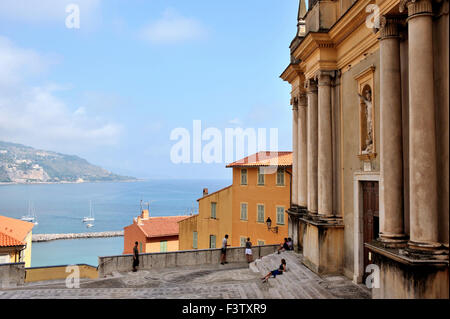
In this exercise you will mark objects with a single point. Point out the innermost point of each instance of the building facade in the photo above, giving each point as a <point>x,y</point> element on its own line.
<point>260,192</point>
<point>370,104</point>
<point>153,234</point>
<point>15,241</point>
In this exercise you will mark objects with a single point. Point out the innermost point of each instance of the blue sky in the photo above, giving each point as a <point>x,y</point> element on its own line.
<point>113,90</point>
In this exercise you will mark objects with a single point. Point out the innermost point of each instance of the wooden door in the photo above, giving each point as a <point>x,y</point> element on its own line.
<point>370,218</point>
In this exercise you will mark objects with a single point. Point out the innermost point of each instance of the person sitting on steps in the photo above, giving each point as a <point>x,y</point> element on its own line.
<point>276,272</point>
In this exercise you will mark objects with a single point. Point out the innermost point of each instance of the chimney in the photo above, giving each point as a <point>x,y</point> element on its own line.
<point>205,191</point>
<point>145,214</point>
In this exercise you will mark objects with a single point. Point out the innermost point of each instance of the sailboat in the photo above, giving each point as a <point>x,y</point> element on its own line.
<point>91,215</point>
<point>30,217</point>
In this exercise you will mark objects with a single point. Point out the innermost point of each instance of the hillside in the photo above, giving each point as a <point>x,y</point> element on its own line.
<point>24,164</point>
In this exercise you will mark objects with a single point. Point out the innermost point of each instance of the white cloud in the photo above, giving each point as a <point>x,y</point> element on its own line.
<point>43,10</point>
<point>34,115</point>
<point>172,28</point>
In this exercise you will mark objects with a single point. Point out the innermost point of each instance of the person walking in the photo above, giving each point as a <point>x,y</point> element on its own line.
<point>223,253</point>
<point>248,250</point>
<point>135,256</point>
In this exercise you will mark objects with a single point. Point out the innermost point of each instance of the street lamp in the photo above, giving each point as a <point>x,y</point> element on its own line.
<point>269,226</point>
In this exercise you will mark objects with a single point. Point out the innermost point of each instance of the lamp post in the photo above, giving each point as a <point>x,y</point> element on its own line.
<point>269,225</point>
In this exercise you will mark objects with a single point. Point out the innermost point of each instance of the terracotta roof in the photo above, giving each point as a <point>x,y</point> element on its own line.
<point>161,226</point>
<point>265,159</point>
<point>13,231</point>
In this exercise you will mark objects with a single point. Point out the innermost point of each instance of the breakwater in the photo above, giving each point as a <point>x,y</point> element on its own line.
<point>49,237</point>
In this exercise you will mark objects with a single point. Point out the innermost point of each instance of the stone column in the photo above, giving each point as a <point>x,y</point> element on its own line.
<point>294,151</point>
<point>325,151</point>
<point>391,159</point>
<point>422,131</point>
<point>311,88</point>
<point>302,152</point>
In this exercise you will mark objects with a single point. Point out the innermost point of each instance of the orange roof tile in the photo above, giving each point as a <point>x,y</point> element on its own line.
<point>283,159</point>
<point>13,231</point>
<point>8,241</point>
<point>161,226</point>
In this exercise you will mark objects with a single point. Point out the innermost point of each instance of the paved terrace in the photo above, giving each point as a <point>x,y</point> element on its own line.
<point>234,280</point>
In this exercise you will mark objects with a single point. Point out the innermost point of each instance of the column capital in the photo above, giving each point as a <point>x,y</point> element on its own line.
<point>294,103</point>
<point>302,100</point>
<point>310,85</point>
<point>323,77</point>
<point>389,27</point>
<point>416,7</point>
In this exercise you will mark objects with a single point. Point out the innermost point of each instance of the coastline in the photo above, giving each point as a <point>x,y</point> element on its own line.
<point>67,182</point>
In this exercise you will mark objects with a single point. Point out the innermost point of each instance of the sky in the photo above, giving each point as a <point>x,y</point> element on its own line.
<point>114,90</point>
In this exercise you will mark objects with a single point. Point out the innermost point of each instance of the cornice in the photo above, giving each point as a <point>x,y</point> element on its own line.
<point>293,71</point>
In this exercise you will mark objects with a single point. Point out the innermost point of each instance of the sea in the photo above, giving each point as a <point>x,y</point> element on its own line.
<point>60,208</point>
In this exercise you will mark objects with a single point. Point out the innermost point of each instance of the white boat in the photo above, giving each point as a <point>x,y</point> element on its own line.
<point>91,215</point>
<point>31,214</point>
<point>89,225</point>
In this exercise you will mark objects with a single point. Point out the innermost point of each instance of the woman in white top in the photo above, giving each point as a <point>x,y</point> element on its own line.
<point>248,250</point>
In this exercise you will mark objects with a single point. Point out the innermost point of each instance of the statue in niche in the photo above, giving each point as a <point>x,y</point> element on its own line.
<point>366,100</point>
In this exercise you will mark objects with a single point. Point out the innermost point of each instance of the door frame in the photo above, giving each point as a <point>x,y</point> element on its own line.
<point>358,222</point>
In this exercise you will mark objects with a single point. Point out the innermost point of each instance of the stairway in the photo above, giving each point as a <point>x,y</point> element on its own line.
<point>299,282</point>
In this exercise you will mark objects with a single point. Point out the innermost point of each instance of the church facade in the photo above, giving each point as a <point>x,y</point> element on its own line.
<point>370,101</point>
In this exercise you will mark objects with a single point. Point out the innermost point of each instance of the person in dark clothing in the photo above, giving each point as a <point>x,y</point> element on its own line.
<point>223,252</point>
<point>276,272</point>
<point>135,256</point>
<point>284,246</point>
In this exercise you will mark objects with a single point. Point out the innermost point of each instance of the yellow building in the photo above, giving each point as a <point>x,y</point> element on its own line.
<point>260,192</point>
<point>15,241</point>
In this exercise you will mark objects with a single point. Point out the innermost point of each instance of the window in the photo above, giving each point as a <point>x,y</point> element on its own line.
<point>280,177</point>
<point>212,241</point>
<point>213,210</point>
<point>163,246</point>
<point>260,213</point>
<point>244,176</point>
<point>280,215</point>
<point>243,241</point>
<point>243,211</point>
<point>260,175</point>
<point>140,247</point>
<point>195,240</point>
<point>261,242</point>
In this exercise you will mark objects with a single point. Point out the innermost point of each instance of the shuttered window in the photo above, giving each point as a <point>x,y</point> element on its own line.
<point>260,213</point>
<point>280,177</point>
<point>260,176</point>
<point>213,210</point>
<point>195,240</point>
<point>212,241</point>
<point>244,211</point>
<point>280,215</point>
<point>244,176</point>
<point>163,246</point>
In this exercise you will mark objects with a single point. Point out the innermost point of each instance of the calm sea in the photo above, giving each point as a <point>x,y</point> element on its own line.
<point>61,207</point>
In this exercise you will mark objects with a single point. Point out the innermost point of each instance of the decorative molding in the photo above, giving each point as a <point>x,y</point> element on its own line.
<point>310,85</point>
<point>416,7</point>
<point>389,27</point>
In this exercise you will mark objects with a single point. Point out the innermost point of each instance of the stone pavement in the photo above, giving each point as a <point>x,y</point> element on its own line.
<point>232,281</point>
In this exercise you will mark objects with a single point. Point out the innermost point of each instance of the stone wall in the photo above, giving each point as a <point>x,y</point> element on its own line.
<point>12,275</point>
<point>123,263</point>
<point>35,274</point>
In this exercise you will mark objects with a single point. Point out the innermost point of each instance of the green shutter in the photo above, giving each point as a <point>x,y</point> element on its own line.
<point>212,241</point>
<point>261,213</point>
<point>213,210</point>
<point>280,215</point>
<point>244,211</point>
<point>195,240</point>
<point>163,246</point>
